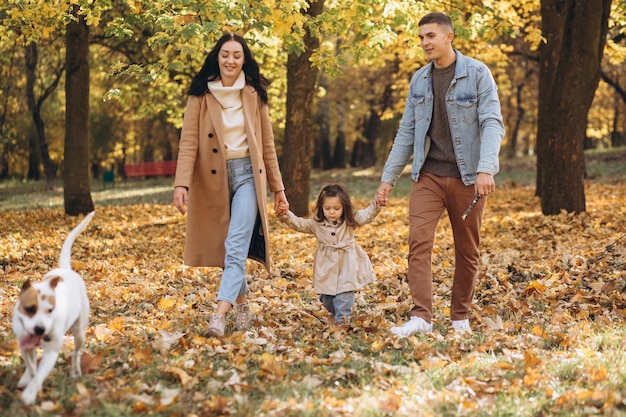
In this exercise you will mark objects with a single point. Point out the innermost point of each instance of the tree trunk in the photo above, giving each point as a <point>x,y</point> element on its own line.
<point>575,32</point>
<point>512,151</point>
<point>373,126</point>
<point>38,147</point>
<point>76,189</point>
<point>366,156</point>
<point>339,152</point>
<point>321,149</point>
<point>7,85</point>
<point>616,135</point>
<point>296,159</point>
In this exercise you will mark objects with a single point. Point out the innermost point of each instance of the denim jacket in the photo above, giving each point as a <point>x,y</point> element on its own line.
<point>475,121</point>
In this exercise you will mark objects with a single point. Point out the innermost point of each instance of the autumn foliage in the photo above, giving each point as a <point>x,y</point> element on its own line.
<point>548,319</point>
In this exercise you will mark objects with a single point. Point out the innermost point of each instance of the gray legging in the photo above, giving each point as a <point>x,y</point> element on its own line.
<point>340,305</point>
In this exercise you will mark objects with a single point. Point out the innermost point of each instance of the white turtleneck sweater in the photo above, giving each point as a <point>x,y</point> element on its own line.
<point>235,138</point>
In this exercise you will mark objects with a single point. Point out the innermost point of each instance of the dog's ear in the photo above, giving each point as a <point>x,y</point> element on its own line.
<point>54,281</point>
<point>25,286</point>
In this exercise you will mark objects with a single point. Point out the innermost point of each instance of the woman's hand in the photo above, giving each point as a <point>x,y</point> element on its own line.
<point>181,199</point>
<point>281,205</point>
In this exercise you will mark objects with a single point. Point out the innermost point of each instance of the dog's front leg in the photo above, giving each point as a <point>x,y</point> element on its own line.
<point>30,361</point>
<point>78,330</point>
<point>48,360</point>
<point>75,370</point>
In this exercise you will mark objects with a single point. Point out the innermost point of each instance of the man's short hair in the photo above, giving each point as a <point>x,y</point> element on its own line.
<point>439,18</point>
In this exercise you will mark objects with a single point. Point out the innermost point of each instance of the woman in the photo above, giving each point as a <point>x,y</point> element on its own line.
<point>226,159</point>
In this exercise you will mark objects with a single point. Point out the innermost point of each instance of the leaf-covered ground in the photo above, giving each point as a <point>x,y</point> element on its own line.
<point>548,320</point>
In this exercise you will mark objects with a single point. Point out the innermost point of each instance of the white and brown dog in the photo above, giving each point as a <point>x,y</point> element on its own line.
<point>44,312</point>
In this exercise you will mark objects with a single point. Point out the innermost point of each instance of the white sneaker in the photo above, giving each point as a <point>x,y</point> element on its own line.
<point>415,325</point>
<point>461,326</point>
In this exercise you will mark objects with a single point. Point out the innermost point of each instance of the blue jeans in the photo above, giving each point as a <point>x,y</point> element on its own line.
<point>340,305</point>
<point>243,214</point>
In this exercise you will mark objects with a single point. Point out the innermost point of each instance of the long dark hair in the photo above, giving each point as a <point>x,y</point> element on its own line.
<point>335,190</point>
<point>210,70</point>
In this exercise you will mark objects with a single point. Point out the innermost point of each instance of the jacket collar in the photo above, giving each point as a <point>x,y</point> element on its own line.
<point>460,69</point>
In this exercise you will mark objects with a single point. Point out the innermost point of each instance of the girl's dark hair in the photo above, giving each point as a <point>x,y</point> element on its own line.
<point>210,70</point>
<point>335,190</point>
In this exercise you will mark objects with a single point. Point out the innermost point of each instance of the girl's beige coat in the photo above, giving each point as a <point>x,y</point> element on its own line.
<point>201,167</point>
<point>340,264</point>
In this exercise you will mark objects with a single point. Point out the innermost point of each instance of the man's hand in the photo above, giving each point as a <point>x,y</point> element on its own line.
<point>382,194</point>
<point>484,184</point>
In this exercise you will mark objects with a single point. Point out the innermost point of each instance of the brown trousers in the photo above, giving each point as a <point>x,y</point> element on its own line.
<point>430,195</point>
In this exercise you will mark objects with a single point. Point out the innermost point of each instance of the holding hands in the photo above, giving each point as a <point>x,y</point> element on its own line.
<point>382,194</point>
<point>281,205</point>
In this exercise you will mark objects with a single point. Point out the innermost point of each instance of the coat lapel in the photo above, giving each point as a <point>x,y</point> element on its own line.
<point>215,113</point>
<point>248,98</point>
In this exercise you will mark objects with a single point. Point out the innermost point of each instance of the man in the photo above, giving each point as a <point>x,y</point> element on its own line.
<point>452,127</point>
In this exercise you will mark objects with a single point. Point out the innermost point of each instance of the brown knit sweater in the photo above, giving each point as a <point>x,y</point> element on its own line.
<point>441,160</point>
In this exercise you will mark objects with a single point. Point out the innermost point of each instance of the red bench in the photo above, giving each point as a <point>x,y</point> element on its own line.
<point>150,169</point>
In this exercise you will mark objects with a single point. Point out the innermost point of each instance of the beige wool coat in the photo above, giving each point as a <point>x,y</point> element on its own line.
<point>201,168</point>
<point>340,264</point>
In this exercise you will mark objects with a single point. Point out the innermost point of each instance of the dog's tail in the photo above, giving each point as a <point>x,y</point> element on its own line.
<point>66,250</point>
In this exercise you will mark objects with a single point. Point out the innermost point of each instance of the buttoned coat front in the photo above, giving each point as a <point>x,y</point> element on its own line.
<point>340,264</point>
<point>201,168</point>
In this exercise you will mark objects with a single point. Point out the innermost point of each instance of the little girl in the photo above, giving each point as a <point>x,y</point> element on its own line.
<point>341,266</point>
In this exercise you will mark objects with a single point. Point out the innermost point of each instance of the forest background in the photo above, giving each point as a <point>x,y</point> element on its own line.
<point>88,86</point>
<point>550,303</point>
